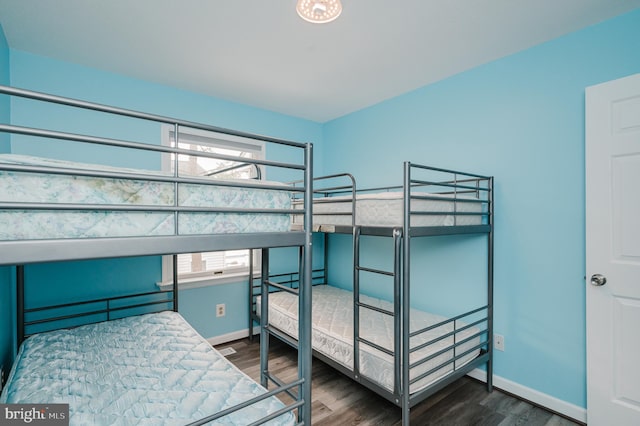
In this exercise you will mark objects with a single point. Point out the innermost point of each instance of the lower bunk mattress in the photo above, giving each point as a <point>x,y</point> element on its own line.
<point>153,369</point>
<point>332,311</point>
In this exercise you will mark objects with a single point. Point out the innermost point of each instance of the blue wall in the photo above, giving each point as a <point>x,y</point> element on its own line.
<point>70,281</point>
<point>5,273</point>
<point>520,119</point>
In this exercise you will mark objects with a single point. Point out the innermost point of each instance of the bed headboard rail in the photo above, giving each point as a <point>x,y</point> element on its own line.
<point>74,314</point>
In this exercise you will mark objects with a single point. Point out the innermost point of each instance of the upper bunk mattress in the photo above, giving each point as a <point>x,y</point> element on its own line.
<point>29,224</point>
<point>332,311</point>
<point>385,209</point>
<point>153,369</point>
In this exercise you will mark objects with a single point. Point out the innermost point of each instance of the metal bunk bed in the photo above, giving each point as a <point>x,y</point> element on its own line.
<point>430,202</point>
<point>17,250</point>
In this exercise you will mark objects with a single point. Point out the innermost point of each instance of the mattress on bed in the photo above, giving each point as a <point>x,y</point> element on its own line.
<point>332,311</point>
<point>50,188</point>
<point>152,369</point>
<point>386,209</point>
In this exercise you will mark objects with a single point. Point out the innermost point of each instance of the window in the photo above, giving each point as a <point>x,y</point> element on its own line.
<point>199,269</point>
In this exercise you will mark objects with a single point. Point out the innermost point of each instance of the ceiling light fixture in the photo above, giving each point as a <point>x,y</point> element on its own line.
<point>319,11</point>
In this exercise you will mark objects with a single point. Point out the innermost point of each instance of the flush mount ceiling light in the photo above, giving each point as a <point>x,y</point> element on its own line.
<point>319,11</point>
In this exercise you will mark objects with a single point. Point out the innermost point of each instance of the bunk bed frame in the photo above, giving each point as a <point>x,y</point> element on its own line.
<point>19,252</point>
<point>471,203</point>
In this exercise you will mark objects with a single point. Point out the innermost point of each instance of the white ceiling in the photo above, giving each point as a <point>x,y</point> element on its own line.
<point>260,53</point>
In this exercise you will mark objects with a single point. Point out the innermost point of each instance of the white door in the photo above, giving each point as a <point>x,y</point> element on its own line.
<point>613,252</point>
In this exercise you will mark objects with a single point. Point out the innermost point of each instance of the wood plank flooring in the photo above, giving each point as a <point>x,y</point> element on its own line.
<point>338,400</point>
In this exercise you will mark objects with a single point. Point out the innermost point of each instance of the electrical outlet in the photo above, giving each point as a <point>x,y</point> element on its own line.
<point>498,342</point>
<point>221,310</point>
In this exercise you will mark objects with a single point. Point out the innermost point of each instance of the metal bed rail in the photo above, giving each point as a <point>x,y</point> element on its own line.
<point>249,402</point>
<point>459,188</point>
<point>13,91</point>
<point>175,178</point>
<point>467,194</point>
<point>51,317</point>
<point>456,345</point>
<point>325,190</point>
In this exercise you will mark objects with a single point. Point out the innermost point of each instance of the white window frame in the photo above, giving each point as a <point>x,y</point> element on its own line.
<point>228,275</point>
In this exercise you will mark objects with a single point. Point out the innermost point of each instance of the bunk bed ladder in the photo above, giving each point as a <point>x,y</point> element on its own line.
<point>396,314</point>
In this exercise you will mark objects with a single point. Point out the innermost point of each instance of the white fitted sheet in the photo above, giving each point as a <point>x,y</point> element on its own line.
<point>332,311</point>
<point>152,369</point>
<point>385,209</point>
<point>51,224</point>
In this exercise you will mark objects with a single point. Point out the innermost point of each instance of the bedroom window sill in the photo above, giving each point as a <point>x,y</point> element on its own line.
<point>199,282</point>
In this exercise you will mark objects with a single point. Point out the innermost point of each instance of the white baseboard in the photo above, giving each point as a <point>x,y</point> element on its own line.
<point>230,337</point>
<point>542,399</point>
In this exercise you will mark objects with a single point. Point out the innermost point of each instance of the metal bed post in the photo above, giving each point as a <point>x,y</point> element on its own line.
<point>325,258</point>
<point>490,289</point>
<point>305,354</point>
<point>397,310</point>
<point>356,233</point>
<point>175,283</point>
<point>250,324</point>
<point>406,233</point>
<point>20,302</point>
<point>264,319</point>
<point>356,302</point>
<point>176,216</point>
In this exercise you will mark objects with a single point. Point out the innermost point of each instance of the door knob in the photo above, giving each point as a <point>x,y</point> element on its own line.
<point>598,280</point>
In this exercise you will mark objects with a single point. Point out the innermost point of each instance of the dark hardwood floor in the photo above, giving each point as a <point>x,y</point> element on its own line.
<point>338,400</point>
